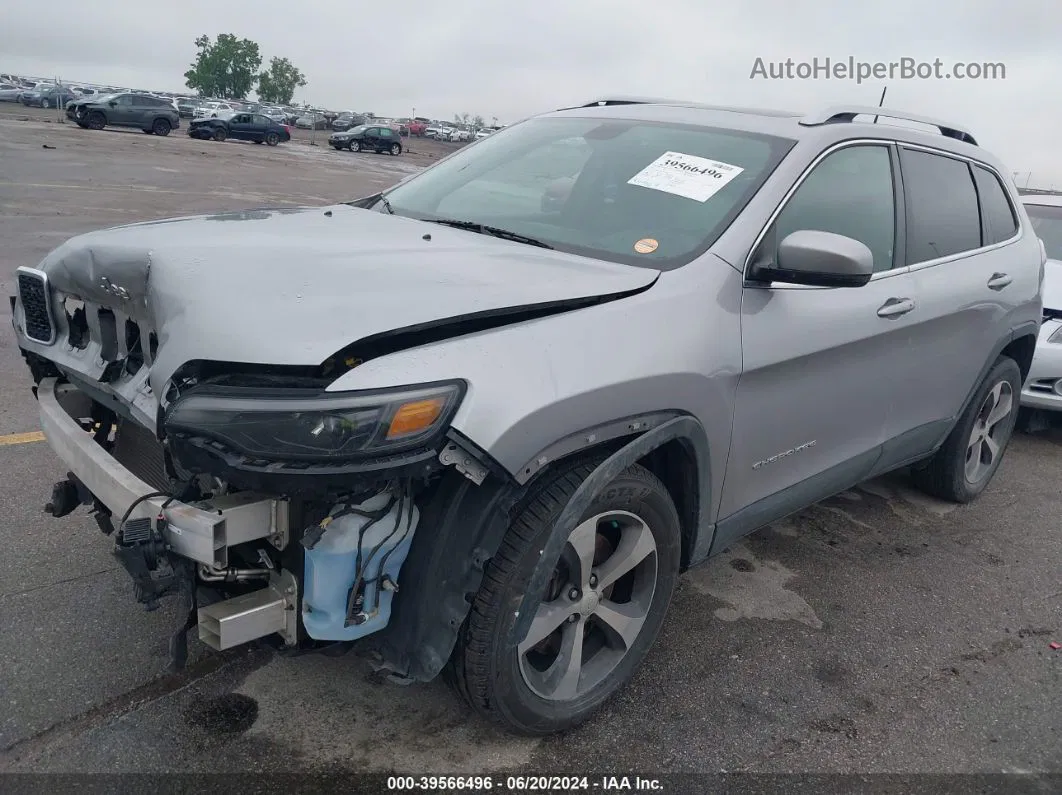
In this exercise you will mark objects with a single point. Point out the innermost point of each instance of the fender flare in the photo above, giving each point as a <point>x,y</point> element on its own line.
<point>685,428</point>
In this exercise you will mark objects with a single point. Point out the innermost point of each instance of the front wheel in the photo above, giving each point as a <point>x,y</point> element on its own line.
<point>355,146</point>
<point>602,609</point>
<point>96,120</point>
<point>220,134</point>
<point>970,456</point>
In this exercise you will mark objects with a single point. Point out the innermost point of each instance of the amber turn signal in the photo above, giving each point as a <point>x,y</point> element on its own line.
<point>414,417</point>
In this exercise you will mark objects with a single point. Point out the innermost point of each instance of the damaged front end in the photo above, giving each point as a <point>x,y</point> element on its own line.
<point>203,430</point>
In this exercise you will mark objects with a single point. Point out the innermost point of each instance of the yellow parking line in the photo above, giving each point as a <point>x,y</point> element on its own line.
<point>21,438</point>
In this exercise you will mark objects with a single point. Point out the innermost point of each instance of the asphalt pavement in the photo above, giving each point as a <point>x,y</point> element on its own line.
<point>880,631</point>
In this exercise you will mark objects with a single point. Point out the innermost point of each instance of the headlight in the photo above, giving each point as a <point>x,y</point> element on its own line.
<point>325,427</point>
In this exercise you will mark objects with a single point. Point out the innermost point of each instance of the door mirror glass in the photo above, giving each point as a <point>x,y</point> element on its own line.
<point>820,259</point>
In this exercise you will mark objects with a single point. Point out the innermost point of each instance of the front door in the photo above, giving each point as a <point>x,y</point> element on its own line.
<point>122,111</point>
<point>818,363</point>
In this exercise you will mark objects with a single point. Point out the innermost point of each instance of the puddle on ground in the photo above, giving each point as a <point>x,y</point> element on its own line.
<point>230,713</point>
<point>752,588</point>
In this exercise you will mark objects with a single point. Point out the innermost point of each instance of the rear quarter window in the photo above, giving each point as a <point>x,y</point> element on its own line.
<point>999,220</point>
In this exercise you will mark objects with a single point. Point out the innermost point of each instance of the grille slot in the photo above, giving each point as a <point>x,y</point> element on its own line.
<point>36,304</point>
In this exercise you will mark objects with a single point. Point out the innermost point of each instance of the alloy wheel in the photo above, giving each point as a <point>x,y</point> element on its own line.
<point>986,439</point>
<point>596,603</point>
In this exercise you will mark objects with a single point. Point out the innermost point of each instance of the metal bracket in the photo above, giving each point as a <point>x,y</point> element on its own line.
<point>286,584</point>
<point>279,524</point>
<point>464,462</point>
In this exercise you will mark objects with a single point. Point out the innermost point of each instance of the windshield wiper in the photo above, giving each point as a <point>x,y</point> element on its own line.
<point>386,204</point>
<point>492,231</point>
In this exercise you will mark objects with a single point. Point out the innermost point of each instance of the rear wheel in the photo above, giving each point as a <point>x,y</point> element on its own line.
<point>220,134</point>
<point>161,127</point>
<point>971,454</point>
<point>603,607</point>
<point>96,120</point>
<point>396,149</point>
<point>272,139</point>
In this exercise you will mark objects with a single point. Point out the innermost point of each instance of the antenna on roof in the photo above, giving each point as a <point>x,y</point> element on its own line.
<point>881,102</point>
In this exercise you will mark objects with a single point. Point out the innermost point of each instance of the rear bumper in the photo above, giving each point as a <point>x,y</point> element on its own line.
<point>202,532</point>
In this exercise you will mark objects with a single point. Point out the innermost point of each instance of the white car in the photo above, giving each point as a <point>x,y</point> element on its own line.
<point>214,110</point>
<point>483,134</point>
<point>1043,387</point>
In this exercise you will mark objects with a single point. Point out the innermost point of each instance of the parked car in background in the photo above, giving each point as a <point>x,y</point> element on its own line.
<point>213,110</point>
<point>416,128</point>
<point>1043,387</point>
<point>186,108</point>
<point>241,127</point>
<point>148,113</point>
<point>51,97</point>
<point>9,92</point>
<point>483,133</point>
<point>433,131</point>
<point>346,120</point>
<point>276,114</point>
<point>312,121</point>
<point>368,138</point>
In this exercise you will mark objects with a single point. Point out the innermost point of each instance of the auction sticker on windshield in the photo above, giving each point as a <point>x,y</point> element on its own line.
<point>696,178</point>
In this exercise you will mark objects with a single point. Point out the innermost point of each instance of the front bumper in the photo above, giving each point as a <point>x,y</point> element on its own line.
<point>202,532</point>
<point>1043,387</point>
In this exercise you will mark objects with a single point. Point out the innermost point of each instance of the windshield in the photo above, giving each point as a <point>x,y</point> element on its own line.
<point>1047,223</point>
<point>359,129</point>
<point>637,192</point>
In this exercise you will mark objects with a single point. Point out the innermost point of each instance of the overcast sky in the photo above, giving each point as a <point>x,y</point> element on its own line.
<point>511,58</point>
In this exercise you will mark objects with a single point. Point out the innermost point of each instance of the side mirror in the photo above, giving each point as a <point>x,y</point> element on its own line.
<point>819,259</point>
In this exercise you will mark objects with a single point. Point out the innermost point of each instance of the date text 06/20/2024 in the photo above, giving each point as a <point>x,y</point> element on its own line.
<point>534,784</point>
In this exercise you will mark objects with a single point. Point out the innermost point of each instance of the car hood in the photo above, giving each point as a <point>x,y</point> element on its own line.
<point>295,286</point>
<point>1053,285</point>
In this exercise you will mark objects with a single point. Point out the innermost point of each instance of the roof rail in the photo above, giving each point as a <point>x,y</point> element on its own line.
<point>679,103</point>
<point>846,113</point>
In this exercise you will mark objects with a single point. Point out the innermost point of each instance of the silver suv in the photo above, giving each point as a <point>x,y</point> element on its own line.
<point>500,407</point>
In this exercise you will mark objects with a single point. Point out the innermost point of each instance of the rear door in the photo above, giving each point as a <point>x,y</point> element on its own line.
<point>960,229</point>
<point>818,364</point>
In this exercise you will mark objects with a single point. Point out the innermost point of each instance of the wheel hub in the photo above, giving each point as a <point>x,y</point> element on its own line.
<point>589,604</point>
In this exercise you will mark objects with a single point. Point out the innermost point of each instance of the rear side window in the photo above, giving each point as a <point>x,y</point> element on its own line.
<point>943,217</point>
<point>849,193</point>
<point>997,214</point>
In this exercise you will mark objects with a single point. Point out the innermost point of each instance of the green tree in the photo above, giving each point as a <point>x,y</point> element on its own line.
<point>477,122</point>
<point>226,68</point>
<point>279,82</point>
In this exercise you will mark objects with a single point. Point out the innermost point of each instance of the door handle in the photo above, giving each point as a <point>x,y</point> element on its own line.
<point>895,307</point>
<point>999,281</point>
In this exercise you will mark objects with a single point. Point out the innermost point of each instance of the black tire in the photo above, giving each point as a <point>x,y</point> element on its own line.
<point>96,120</point>
<point>220,134</point>
<point>396,149</point>
<point>83,125</point>
<point>945,474</point>
<point>355,146</point>
<point>486,671</point>
<point>161,127</point>
<point>46,103</point>
<point>272,139</point>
